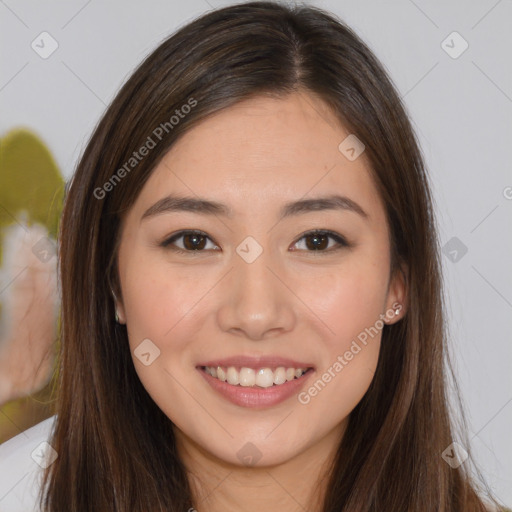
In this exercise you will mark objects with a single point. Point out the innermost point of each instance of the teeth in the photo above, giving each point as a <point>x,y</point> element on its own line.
<point>248,377</point>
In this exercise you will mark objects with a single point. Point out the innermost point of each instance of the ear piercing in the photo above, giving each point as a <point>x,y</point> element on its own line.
<point>396,310</point>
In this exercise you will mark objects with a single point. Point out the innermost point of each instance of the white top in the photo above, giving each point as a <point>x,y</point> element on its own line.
<point>22,459</point>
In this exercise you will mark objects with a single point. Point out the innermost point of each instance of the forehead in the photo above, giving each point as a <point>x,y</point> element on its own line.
<point>264,151</point>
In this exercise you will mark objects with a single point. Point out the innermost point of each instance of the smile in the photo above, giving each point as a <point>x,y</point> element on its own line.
<point>245,389</point>
<point>250,377</point>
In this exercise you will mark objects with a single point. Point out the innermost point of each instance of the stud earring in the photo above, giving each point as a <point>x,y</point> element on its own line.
<point>117,317</point>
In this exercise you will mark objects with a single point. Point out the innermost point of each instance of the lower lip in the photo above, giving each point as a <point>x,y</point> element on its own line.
<point>246,396</point>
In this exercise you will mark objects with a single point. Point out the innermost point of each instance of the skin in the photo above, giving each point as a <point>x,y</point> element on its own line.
<point>304,304</point>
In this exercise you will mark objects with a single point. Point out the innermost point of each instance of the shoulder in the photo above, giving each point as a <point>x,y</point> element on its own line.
<point>22,460</point>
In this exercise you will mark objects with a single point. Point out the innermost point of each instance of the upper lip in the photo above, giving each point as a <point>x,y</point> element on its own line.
<point>257,362</point>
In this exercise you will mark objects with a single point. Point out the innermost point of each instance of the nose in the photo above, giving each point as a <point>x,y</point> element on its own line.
<point>256,301</point>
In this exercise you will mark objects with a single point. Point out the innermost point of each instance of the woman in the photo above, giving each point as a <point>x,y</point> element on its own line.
<point>252,308</point>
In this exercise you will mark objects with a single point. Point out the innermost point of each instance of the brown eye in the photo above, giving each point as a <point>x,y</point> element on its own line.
<point>319,241</point>
<point>192,241</point>
<point>197,241</point>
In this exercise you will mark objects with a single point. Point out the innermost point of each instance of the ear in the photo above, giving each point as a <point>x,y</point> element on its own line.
<point>120,312</point>
<point>119,306</point>
<point>396,299</point>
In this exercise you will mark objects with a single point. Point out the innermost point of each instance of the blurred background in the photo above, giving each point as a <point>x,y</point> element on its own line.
<point>63,62</point>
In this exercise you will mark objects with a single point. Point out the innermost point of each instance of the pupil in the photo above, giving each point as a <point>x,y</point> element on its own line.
<point>194,244</point>
<point>317,245</point>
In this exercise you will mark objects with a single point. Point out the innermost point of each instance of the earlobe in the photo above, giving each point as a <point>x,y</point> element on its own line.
<point>119,309</point>
<point>120,317</point>
<point>397,297</point>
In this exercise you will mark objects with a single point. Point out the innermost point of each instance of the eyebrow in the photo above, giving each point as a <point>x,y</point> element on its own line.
<point>173,203</point>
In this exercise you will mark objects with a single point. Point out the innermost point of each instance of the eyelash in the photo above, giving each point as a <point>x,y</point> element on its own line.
<point>167,243</point>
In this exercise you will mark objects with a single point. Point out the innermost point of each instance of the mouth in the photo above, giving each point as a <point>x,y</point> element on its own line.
<point>260,377</point>
<point>257,388</point>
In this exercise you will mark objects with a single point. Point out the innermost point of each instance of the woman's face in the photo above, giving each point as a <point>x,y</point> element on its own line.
<point>256,283</point>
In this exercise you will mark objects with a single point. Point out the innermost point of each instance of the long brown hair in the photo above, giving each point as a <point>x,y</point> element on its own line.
<point>116,448</point>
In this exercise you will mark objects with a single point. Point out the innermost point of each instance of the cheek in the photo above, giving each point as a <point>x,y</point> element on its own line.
<point>350,298</point>
<point>162,302</point>
<point>349,303</point>
<point>161,305</point>
<point>146,302</point>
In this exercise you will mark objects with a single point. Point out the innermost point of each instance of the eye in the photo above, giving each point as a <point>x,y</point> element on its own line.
<point>196,241</point>
<point>193,241</point>
<point>318,241</point>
